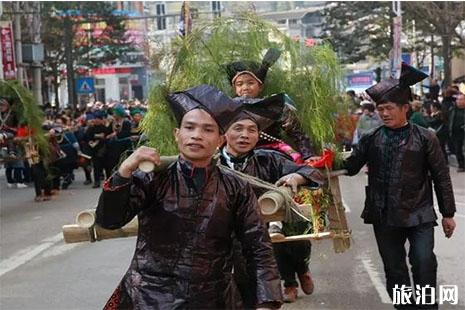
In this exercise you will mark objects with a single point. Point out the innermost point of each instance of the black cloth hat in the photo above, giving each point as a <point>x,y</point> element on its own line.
<point>258,71</point>
<point>264,112</point>
<point>221,107</point>
<point>397,90</point>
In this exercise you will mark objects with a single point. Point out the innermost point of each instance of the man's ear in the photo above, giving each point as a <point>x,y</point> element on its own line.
<point>222,140</point>
<point>176,134</point>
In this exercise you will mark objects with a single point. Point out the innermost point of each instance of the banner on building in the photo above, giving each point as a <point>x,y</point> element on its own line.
<point>363,79</point>
<point>8,52</point>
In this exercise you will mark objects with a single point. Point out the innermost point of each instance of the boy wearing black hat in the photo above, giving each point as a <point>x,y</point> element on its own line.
<point>247,79</point>
<point>187,213</point>
<point>402,159</point>
<point>271,166</point>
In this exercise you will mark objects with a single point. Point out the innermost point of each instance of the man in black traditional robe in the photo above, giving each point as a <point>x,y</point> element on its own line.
<point>187,214</point>
<point>403,159</point>
<point>240,154</point>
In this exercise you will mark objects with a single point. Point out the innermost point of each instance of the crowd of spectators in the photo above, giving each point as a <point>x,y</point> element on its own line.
<point>93,139</point>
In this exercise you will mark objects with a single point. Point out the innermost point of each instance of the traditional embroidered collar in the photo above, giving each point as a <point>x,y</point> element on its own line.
<point>236,163</point>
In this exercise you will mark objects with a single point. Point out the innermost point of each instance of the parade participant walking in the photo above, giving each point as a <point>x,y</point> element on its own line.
<point>247,79</point>
<point>403,158</point>
<point>187,214</point>
<point>271,166</point>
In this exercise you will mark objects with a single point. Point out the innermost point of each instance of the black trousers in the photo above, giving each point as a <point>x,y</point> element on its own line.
<point>457,140</point>
<point>391,245</point>
<point>99,164</point>
<point>292,258</point>
<point>40,179</point>
<point>14,175</point>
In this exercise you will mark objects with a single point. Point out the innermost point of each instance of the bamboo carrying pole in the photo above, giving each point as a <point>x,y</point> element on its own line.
<point>86,229</point>
<point>128,230</point>
<point>272,206</point>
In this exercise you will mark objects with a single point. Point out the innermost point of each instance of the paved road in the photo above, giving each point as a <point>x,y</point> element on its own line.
<point>39,271</point>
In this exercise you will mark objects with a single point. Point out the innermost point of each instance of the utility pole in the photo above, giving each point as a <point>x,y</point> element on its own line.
<point>18,43</point>
<point>36,65</point>
<point>396,55</point>
<point>432,57</point>
<point>69,62</point>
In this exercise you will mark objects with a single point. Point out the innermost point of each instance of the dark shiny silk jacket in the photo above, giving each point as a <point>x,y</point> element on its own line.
<point>408,200</point>
<point>184,241</point>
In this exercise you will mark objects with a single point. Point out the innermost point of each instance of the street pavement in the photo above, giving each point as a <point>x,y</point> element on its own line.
<point>39,271</point>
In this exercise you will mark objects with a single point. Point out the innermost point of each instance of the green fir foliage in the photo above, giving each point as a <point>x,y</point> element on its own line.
<point>26,108</point>
<point>309,75</point>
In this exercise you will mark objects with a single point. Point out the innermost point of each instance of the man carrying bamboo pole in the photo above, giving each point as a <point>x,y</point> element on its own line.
<point>187,214</point>
<point>402,159</point>
<point>271,166</point>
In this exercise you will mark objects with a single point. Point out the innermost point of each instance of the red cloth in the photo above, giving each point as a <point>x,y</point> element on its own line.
<point>324,161</point>
<point>22,132</point>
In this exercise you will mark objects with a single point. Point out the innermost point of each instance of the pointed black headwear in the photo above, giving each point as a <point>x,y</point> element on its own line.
<point>397,91</point>
<point>258,71</point>
<point>221,107</point>
<point>264,112</point>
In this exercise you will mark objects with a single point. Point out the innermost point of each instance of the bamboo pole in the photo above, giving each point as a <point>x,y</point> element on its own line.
<point>272,205</point>
<point>128,230</point>
<point>316,236</point>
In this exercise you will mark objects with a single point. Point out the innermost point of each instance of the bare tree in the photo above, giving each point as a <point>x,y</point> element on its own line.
<point>443,19</point>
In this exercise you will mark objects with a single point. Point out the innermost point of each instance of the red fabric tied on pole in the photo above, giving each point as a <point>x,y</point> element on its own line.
<point>22,132</point>
<point>324,161</point>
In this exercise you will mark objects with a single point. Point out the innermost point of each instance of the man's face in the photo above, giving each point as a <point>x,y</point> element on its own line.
<point>393,115</point>
<point>137,117</point>
<point>241,137</point>
<point>460,101</point>
<point>198,137</point>
<point>247,85</point>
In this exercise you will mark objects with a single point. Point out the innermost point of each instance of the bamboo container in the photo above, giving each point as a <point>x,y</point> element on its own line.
<point>74,233</point>
<point>86,218</point>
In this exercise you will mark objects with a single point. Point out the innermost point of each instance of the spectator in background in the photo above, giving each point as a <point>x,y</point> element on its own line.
<point>438,124</point>
<point>95,138</point>
<point>416,116</point>
<point>12,151</point>
<point>457,129</point>
<point>118,141</point>
<point>368,120</point>
<point>448,102</point>
<point>434,89</point>
<point>355,101</point>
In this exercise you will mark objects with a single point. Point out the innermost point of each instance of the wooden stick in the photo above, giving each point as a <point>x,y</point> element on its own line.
<point>317,236</point>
